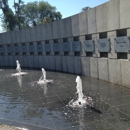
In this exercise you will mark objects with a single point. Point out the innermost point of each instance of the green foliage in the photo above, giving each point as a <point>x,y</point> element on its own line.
<point>85,8</point>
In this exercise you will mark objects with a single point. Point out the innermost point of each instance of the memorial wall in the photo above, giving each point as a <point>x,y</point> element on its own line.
<point>94,43</point>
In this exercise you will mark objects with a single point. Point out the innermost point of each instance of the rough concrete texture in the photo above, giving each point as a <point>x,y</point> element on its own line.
<point>6,61</point>
<point>28,34</point>
<point>4,39</point>
<point>41,61</point>
<point>18,36</point>
<point>77,65</point>
<point>2,63</point>
<point>125,71</point>
<point>68,27</point>
<point>46,62</point>
<point>56,29</point>
<point>52,62</point>
<point>70,64</point>
<point>103,69</point>
<point>83,29</point>
<point>113,14</point>
<point>48,27</point>
<point>94,67</point>
<point>23,35</point>
<point>92,27</point>
<point>36,62</point>
<point>85,64</point>
<point>38,33</point>
<point>12,63</point>
<point>101,17</point>
<point>65,67</point>
<point>43,32</point>
<point>13,37</point>
<point>25,61</point>
<point>62,28</point>
<point>31,61</point>
<point>124,13</point>
<point>115,71</point>
<point>58,63</point>
<point>33,34</point>
<point>75,25</point>
<point>8,37</point>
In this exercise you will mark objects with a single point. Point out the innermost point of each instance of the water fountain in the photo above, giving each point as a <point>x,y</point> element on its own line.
<point>18,69</point>
<point>43,79</point>
<point>82,100</point>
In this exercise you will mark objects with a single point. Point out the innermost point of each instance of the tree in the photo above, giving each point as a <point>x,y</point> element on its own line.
<point>37,13</point>
<point>19,13</point>
<point>85,8</point>
<point>8,16</point>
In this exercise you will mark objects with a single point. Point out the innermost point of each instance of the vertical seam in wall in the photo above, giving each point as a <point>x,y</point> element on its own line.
<point>121,72</point>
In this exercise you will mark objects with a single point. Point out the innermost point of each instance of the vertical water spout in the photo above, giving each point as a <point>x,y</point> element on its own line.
<point>18,67</point>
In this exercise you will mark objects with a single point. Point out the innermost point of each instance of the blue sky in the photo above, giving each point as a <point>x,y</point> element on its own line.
<point>69,7</point>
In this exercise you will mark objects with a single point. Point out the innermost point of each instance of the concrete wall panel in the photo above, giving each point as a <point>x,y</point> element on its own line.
<point>8,37</point>
<point>38,33</point>
<point>13,37</point>
<point>56,29</point>
<point>25,61</point>
<point>65,67</point>
<point>70,64</point>
<point>52,62</point>
<point>49,33</point>
<point>113,14</point>
<point>31,61</point>
<point>77,65</point>
<point>4,39</point>
<point>28,34</point>
<point>85,64</point>
<point>75,25</point>
<point>94,67</point>
<point>18,36</point>
<point>62,28</point>
<point>68,26</point>
<point>23,35</point>
<point>36,61</point>
<point>115,71</point>
<point>41,62</point>
<point>58,62</point>
<point>46,62</point>
<point>12,62</point>
<point>125,71</point>
<point>124,13</point>
<point>33,34</point>
<point>83,24</point>
<point>103,69</point>
<point>43,32</point>
<point>92,27</point>
<point>6,61</point>
<point>2,63</point>
<point>101,18</point>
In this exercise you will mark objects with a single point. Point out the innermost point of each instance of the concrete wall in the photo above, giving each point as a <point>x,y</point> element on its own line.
<point>103,21</point>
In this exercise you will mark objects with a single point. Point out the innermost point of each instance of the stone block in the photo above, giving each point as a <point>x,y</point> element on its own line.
<point>52,62</point>
<point>49,33</point>
<point>41,61</point>
<point>115,71</point>
<point>62,28</point>
<point>68,26</point>
<point>101,18</point>
<point>58,63</point>
<point>92,27</point>
<point>94,67</point>
<point>25,61</point>
<point>6,61</point>
<point>124,13</point>
<point>13,37</point>
<point>125,71</point>
<point>28,34</point>
<point>113,14</point>
<point>77,65</point>
<point>83,24</point>
<point>36,62</point>
<point>8,37</point>
<point>4,39</point>
<point>56,29</point>
<point>70,64</point>
<point>12,62</point>
<point>103,69</point>
<point>18,36</point>
<point>64,63</point>
<point>75,25</point>
<point>31,61</point>
<point>38,33</point>
<point>46,62</point>
<point>43,32</point>
<point>2,63</point>
<point>85,65</point>
<point>33,34</point>
<point>23,35</point>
